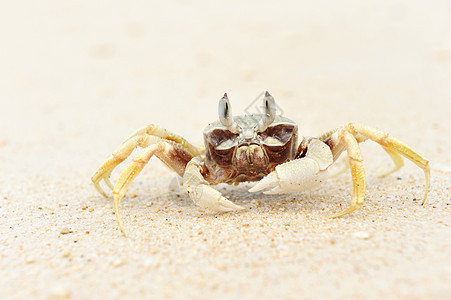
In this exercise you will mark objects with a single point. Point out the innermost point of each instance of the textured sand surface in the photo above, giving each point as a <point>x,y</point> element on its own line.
<point>77,77</point>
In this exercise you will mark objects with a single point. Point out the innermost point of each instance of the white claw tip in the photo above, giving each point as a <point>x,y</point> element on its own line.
<point>269,181</point>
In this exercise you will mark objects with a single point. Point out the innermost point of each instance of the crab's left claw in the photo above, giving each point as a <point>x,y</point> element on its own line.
<point>299,174</point>
<point>294,176</point>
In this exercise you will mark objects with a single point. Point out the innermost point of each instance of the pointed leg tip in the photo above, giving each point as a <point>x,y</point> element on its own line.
<point>334,216</point>
<point>100,190</point>
<point>108,183</point>
<point>345,212</point>
<point>424,199</point>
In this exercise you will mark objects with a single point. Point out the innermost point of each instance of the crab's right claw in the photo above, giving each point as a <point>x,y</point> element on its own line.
<point>207,197</point>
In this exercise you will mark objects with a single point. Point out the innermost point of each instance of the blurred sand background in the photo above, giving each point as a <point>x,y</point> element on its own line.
<point>77,77</point>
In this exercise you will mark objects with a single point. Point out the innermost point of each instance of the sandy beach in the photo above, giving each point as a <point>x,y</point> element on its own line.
<point>78,77</point>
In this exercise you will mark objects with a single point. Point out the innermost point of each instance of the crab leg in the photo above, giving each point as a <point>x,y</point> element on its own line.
<point>169,152</point>
<point>142,137</point>
<point>155,130</point>
<point>357,173</point>
<point>399,147</point>
<point>201,193</point>
<point>397,160</point>
<point>118,156</point>
<point>395,148</point>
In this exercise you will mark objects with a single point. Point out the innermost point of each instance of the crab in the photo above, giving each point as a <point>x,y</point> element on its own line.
<point>260,147</point>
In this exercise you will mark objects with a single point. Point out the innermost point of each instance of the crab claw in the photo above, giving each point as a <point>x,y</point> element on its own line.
<point>202,194</point>
<point>294,176</point>
<point>299,174</point>
<point>269,181</point>
<point>207,197</point>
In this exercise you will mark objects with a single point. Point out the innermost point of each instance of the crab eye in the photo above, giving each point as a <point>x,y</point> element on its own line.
<point>269,105</point>
<point>270,109</point>
<point>225,111</point>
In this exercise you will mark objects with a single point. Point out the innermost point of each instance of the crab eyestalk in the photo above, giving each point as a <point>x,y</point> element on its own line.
<point>269,116</point>
<point>225,114</point>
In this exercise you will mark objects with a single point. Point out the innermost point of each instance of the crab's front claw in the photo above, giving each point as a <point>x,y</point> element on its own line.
<point>299,174</point>
<point>202,194</point>
<point>293,176</point>
<point>207,197</point>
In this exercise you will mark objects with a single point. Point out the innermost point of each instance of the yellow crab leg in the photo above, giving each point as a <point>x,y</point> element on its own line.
<point>118,156</point>
<point>357,173</point>
<point>339,140</point>
<point>142,137</point>
<point>169,152</point>
<point>127,176</point>
<point>394,145</point>
<point>155,130</point>
<point>397,160</point>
